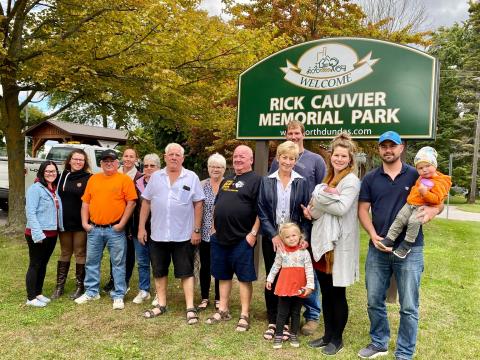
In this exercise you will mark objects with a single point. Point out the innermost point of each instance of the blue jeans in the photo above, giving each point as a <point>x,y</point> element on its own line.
<point>312,303</point>
<point>142,253</point>
<point>379,267</point>
<point>115,241</point>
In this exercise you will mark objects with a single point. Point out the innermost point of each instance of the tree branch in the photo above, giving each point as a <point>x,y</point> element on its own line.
<point>88,18</point>
<point>139,41</point>
<point>27,100</point>
<point>64,107</point>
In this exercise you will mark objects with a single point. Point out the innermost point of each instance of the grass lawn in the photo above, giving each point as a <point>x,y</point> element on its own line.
<point>449,314</point>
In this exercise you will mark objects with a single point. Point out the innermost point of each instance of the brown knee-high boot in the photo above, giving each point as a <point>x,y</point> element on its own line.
<point>62,272</point>
<point>79,278</point>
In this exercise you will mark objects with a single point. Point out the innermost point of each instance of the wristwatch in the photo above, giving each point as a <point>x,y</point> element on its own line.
<point>196,230</point>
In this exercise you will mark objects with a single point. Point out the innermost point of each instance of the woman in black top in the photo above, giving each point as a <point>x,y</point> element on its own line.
<point>73,240</point>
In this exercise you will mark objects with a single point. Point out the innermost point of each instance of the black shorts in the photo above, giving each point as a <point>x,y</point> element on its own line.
<point>180,252</point>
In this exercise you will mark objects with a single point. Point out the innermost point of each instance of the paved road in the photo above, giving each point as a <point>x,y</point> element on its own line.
<point>455,214</point>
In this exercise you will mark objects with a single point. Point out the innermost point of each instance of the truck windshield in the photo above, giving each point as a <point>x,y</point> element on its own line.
<point>59,153</point>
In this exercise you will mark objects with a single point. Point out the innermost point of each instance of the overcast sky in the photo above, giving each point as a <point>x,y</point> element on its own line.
<point>441,12</point>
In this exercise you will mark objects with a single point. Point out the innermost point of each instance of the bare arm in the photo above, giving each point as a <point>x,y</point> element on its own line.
<point>144,212</point>
<point>366,221</point>
<point>126,215</point>
<point>197,219</point>
<point>427,213</point>
<point>250,237</point>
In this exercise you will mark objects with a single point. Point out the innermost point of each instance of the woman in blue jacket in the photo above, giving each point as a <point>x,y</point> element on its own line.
<point>280,200</point>
<point>44,220</point>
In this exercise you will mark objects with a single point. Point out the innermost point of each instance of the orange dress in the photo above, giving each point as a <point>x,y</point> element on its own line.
<point>295,271</point>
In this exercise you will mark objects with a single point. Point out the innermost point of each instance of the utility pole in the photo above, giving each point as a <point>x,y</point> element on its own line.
<point>476,140</point>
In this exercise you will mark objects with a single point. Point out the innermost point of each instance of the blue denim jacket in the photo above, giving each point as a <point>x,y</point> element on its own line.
<point>41,211</point>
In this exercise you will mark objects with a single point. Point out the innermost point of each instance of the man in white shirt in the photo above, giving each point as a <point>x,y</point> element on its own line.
<point>175,198</point>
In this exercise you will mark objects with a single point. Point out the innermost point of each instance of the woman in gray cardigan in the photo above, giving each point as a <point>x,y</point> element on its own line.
<point>335,240</point>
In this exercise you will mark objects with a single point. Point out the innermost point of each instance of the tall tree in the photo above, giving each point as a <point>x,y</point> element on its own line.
<point>304,20</point>
<point>471,95</point>
<point>127,61</point>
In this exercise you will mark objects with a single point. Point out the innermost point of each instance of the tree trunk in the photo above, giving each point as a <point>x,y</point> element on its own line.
<point>476,140</point>
<point>12,129</point>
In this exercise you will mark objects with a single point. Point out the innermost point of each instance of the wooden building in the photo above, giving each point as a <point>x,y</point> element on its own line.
<point>63,132</point>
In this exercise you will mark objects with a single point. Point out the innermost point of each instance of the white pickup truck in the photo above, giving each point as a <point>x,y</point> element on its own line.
<point>57,153</point>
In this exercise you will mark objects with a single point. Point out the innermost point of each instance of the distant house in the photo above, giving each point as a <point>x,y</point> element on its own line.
<point>63,132</point>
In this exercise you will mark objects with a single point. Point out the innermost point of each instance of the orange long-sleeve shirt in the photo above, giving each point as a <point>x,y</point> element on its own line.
<point>434,196</point>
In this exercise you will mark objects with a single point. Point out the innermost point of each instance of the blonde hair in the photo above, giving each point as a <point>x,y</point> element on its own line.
<point>289,148</point>
<point>345,141</point>
<point>286,226</point>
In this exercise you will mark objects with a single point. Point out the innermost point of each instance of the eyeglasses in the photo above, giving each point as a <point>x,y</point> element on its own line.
<point>215,167</point>
<point>76,159</point>
<point>108,161</point>
<point>149,166</point>
<point>50,172</point>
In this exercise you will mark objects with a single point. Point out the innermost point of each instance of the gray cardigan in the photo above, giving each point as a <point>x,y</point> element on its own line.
<point>346,263</point>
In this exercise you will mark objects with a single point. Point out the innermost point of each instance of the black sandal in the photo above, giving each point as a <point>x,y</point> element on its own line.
<point>192,319</point>
<point>150,314</point>
<point>217,304</point>
<point>203,305</point>
<point>269,334</point>
<point>241,327</point>
<point>222,316</point>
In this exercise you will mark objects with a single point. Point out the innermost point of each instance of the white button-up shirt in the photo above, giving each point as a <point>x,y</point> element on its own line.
<point>283,197</point>
<point>172,205</point>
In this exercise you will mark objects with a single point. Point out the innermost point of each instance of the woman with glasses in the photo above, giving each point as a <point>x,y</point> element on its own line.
<point>73,240</point>
<point>151,163</point>
<point>44,220</point>
<point>216,169</point>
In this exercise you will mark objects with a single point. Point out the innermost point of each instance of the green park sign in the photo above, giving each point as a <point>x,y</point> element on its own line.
<point>362,86</point>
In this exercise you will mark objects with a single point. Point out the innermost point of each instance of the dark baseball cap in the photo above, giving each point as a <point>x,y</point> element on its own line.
<point>112,154</point>
<point>392,136</point>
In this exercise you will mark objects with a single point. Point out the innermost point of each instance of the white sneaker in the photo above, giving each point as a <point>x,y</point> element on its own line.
<point>118,304</point>
<point>141,297</point>
<point>35,302</point>
<point>43,298</point>
<point>84,298</point>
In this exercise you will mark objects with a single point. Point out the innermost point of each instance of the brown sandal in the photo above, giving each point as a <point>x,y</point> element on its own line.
<point>241,327</point>
<point>150,314</point>
<point>192,319</point>
<point>203,304</point>
<point>222,316</point>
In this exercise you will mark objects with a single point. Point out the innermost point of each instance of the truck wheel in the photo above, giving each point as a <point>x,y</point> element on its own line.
<point>4,205</point>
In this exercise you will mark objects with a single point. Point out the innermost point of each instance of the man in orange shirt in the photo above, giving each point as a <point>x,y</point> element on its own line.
<point>108,203</point>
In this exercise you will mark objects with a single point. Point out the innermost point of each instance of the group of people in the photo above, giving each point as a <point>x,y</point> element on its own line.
<point>306,210</point>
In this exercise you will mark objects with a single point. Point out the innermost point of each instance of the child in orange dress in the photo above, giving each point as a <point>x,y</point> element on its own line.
<point>295,281</point>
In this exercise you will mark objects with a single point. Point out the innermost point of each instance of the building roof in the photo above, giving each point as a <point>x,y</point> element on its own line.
<point>74,129</point>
